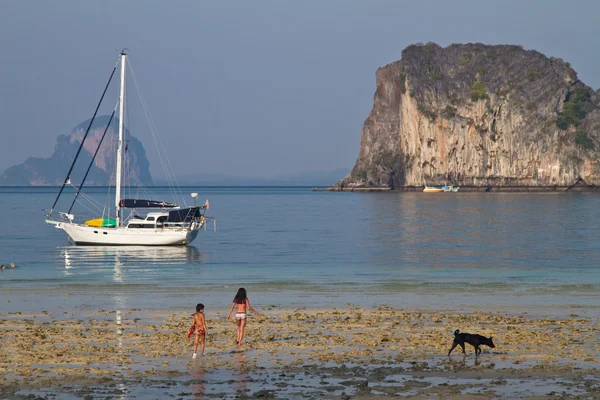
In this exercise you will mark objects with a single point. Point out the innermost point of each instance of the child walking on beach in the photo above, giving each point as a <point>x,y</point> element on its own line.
<point>199,324</point>
<point>240,302</point>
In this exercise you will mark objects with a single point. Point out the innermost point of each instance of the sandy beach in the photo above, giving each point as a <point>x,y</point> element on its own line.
<point>349,352</point>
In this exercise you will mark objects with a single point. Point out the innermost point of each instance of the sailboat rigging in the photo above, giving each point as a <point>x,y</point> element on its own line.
<point>169,225</point>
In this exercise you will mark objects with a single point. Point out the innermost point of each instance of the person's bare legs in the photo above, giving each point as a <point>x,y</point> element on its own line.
<point>202,338</point>
<point>196,345</point>
<point>241,328</point>
<point>239,324</point>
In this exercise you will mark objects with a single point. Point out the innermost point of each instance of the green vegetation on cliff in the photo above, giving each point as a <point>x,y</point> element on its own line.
<point>582,139</point>
<point>478,91</point>
<point>574,108</point>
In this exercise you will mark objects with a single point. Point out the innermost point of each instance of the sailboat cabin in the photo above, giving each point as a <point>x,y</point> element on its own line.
<point>152,221</point>
<point>175,218</point>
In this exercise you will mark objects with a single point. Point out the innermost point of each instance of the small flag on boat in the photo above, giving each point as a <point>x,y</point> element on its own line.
<point>207,205</point>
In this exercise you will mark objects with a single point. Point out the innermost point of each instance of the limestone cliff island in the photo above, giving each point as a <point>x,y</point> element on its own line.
<point>51,171</point>
<point>480,117</point>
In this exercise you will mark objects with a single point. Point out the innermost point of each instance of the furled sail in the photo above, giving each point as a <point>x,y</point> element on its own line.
<point>135,203</point>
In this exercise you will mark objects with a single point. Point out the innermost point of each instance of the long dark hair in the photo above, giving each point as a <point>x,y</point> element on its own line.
<point>240,296</point>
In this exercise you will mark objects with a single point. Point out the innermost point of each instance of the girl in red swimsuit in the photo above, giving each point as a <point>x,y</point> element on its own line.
<point>201,329</point>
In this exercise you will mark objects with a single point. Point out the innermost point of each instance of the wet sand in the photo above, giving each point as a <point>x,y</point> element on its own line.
<point>349,352</point>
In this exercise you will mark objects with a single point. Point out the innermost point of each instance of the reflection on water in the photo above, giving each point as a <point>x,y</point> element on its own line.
<point>124,260</point>
<point>120,303</point>
<point>475,237</point>
<point>122,385</point>
<point>67,262</point>
<point>464,361</point>
<point>198,379</point>
<point>173,254</point>
<point>241,372</point>
<point>118,274</point>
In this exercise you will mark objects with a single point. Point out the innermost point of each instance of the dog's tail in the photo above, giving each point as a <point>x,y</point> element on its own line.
<point>456,332</point>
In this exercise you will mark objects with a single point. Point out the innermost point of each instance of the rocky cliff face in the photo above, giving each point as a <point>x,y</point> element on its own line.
<point>478,115</point>
<point>52,171</point>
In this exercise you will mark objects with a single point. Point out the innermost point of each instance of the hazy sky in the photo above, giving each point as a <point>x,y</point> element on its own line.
<point>247,88</point>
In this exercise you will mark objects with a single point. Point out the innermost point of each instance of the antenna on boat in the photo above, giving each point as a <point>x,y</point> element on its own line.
<point>194,195</point>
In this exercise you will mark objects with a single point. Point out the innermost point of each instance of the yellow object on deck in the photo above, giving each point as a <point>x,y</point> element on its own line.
<point>101,222</point>
<point>429,189</point>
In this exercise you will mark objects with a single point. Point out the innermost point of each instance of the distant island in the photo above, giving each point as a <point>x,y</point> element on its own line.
<point>478,116</point>
<point>52,171</point>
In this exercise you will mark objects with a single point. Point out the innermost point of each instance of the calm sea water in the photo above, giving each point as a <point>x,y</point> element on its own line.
<point>292,246</point>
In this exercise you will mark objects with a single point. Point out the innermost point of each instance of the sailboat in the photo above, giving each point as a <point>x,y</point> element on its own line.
<point>168,224</point>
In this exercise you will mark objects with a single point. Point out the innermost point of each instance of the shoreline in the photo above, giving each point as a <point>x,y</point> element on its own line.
<point>297,352</point>
<point>536,302</point>
<point>471,189</point>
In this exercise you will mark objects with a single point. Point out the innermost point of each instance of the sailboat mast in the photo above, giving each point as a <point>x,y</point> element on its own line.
<point>120,142</point>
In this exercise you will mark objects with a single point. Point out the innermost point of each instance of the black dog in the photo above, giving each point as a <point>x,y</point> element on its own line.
<point>473,340</point>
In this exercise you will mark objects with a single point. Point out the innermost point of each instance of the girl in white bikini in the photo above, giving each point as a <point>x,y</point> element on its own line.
<point>240,302</point>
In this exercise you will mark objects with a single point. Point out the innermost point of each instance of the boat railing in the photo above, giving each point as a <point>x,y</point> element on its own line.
<point>199,222</point>
<point>63,217</point>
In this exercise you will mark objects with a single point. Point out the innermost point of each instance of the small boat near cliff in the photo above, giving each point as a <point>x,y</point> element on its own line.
<point>168,224</point>
<point>442,189</point>
<point>432,189</point>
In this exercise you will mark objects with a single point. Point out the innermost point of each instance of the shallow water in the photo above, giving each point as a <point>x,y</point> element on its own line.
<point>295,247</point>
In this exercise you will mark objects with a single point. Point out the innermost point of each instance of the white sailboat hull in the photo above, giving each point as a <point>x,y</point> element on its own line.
<point>122,236</point>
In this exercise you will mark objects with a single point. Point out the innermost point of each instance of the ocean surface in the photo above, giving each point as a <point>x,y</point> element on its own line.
<point>292,247</point>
